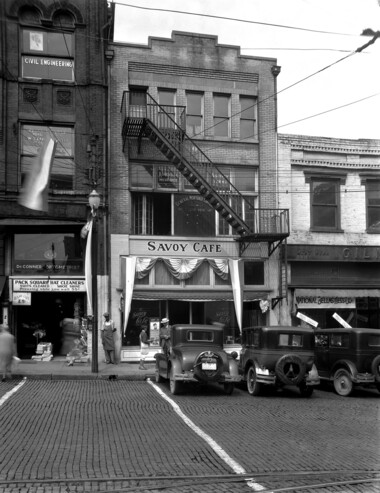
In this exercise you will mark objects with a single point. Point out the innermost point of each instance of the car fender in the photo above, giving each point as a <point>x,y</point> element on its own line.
<point>344,363</point>
<point>233,367</point>
<point>174,365</point>
<point>247,365</point>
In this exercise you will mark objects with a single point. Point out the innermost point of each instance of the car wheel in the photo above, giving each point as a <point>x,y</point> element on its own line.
<point>174,385</point>
<point>159,378</point>
<point>228,388</point>
<point>253,386</point>
<point>375,367</point>
<point>290,369</point>
<point>378,386</point>
<point>306,390</point>
<point>342,382</point>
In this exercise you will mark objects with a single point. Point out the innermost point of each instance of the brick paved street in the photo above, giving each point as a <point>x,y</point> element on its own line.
<point>102,435</point>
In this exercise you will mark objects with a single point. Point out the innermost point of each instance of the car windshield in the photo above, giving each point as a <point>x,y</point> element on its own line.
<point>294,340</point>
<point>200,335</point>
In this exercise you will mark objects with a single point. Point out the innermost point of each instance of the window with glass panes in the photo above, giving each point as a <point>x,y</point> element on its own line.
<point>194,113</point>
<point>221,115</point>
<point>325,204</point>
<point>47,55</point>
<point>243,179</point>
<point>32,139</point>
<point>373,205</point>
<point>166,100</point>
<point>248,118</point>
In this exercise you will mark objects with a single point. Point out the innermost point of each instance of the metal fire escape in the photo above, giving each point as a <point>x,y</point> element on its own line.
<point>165,127</point>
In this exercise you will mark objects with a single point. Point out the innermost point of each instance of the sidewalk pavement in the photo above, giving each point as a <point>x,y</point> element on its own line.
<point>57,369</point>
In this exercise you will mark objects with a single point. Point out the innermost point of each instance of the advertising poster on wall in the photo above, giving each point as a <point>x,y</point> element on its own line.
<point>154,331</point>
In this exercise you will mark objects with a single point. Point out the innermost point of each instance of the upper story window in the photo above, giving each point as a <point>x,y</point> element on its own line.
<point>194,113</point>
<point>221,115</point>
<point>167,109</point>
<point>32,138</point>
<point>325,204</point>
<point>373,205</point>
<point>248,118</point>
<point>47,55</point>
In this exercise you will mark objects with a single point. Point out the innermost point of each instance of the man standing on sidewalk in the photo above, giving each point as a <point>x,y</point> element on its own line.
<point>7,352</point>
<point>108,342</point>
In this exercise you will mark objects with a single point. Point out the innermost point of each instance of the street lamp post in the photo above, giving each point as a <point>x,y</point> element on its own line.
<point>94,202</point>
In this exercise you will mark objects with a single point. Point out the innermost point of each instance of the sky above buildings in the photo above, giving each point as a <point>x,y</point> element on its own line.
<point>324,88</point>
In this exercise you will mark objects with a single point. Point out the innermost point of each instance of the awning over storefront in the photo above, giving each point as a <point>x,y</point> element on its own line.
<point>185,295</point>
<point>331,298</point>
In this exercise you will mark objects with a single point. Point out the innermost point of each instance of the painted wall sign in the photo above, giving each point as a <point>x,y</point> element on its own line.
<point>38,67</point>
<point>324,253</point>
<point>319,298</point>
<point>49,285</point>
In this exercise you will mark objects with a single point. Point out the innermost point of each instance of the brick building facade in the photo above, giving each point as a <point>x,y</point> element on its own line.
<point>52,84</point>
<point>194,218</point>
<point>332,188</point>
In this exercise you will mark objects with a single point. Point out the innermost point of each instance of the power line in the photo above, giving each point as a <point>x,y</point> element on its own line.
<point>219,17</point>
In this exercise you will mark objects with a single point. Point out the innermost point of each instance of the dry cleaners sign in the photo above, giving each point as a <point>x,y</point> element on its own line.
<point>30,285</point>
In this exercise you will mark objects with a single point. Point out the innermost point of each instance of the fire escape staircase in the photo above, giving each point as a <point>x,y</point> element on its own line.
<point>165,127</point>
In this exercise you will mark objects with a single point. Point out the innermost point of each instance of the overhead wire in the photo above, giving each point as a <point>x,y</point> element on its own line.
<point>288,87</point>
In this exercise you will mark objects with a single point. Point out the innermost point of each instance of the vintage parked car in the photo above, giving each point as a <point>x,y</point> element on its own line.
<point>348,357</point>
<point>278,356</point>
<point>196,355</point>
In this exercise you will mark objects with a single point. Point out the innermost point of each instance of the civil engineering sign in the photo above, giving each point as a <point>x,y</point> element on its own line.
<point>47,285</point>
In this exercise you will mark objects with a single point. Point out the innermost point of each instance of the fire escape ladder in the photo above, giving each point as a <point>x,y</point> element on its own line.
<point>164,126</point>
<point>201,173</point>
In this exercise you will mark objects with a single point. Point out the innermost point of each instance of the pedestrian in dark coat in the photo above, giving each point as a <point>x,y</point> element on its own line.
<point>7,352</point>
<point>108,342</point>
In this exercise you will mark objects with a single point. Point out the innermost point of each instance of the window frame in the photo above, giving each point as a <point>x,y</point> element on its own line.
<point>338,180</point>
<point>195,115</point>
<point>219,118</point>
<point>245,118</point>
<point>368,183</point>
<point>29,156</point>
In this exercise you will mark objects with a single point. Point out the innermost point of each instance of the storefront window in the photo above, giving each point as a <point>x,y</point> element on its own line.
<point>47,254</point>
<point>222,313</point>
<point>140,315</point>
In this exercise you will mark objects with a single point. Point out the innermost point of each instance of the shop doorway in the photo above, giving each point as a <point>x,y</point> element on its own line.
<point>45,321</point>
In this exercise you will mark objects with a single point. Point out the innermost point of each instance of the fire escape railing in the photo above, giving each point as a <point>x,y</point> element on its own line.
<point>165,126</point>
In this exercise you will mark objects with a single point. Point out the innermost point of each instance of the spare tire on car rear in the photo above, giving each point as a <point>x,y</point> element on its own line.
<point>375,367</point>
<point>208,375</point>
<point>290,369</point>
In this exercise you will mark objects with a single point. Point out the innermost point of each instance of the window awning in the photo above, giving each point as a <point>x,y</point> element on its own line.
<point>195,295</point>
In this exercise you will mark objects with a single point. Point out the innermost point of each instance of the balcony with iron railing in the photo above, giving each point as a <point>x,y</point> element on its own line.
<point>165,127</point>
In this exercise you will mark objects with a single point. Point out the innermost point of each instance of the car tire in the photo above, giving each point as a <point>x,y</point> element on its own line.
<point>253,386</point>
<point>228,388</point>
<point>174,385</point>
<point>343,383</point>
<point>375,367</point>
<point>207,375</point>
<point>159,378</point>
<point>306,390</point>
<point>290,369</point>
